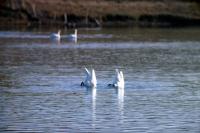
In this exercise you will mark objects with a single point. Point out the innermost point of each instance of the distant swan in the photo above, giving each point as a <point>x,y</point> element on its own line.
<point>74,36</point>
<point>55,36</point>
<point>118,81</point>
<point>90,80</point>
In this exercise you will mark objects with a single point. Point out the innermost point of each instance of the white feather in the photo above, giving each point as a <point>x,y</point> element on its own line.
<point>90,80</point>
<point>118,81</point>
<point>74,36</point>
<point>55,36</point>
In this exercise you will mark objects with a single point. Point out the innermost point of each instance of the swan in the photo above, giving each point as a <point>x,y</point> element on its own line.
<point>74,36</point>
<point>55,36</point>
<point>118,81</point>
<point>90,80</point>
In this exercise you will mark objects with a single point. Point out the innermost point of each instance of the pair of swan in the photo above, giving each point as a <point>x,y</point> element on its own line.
<point>91,81</point>
<point>57,36</point>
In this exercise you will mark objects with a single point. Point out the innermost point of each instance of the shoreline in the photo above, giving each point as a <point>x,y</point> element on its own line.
<point>105,13</point>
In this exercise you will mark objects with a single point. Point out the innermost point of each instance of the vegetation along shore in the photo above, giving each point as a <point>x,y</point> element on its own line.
<point>97,13</point>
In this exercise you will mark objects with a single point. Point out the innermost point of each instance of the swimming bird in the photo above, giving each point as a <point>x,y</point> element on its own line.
<point>73,36</point>
<point>90,80</point>
<point>55,36</point>
<point>118,81</point>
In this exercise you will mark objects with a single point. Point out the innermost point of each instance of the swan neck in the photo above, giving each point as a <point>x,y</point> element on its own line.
<point>75,32</point>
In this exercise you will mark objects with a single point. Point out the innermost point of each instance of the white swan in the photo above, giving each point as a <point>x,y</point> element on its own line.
<point>74,36</point>
<point>55,36</point>
<point>118,81</point>
<point>90,80</point>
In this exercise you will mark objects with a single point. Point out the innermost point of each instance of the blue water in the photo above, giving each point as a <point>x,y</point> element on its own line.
<point>40,81</point>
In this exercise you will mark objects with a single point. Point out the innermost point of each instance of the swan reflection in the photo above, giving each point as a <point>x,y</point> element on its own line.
<point>55,41</point>
<point>74,40</point>
<point>73,37</point>
<point>93,92</point>
<point>120,94</point>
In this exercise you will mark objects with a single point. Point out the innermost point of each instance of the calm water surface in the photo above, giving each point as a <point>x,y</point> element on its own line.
<point>40,81</point>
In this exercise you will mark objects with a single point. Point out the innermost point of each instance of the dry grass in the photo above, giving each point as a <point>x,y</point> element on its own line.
<point>47,10</point>
<point>96,8</point>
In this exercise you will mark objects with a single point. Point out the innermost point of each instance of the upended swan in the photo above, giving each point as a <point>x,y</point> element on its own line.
<point>90,80</point>
<point>118,81</point>
<point>55,36</point>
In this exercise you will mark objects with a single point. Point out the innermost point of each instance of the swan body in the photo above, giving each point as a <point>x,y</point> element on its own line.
<point>74,36</point>
<point>90,80</point>
<point>55,36</point>
<point>118,81</point>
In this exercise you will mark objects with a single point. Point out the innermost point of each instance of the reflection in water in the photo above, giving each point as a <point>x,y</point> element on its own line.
<point>64,38</point>
<point>70,39</point>
<point>58,41</point>
<point>94,92</point>
<point>120,93</point>
<point>73,40</point>
<point>55,40</point>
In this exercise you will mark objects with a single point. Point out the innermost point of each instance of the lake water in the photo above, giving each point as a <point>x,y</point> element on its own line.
<point>40,81</point>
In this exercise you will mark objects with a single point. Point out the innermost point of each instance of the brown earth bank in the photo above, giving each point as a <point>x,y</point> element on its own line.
<point>97,13</point>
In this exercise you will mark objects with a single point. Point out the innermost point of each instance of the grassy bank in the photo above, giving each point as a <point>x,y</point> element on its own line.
<point>92,13</point>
